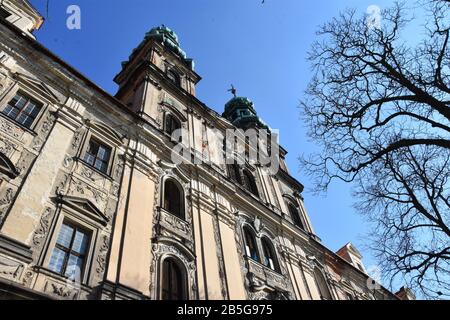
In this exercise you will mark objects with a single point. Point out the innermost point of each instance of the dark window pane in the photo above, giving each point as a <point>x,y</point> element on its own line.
<point>22,109</point>
<point>173,199</point>
<point>295,216</point>
<point>172,286</point>
<point>270,259</point>
<point>97,155</point>
<point>174,77</point>
<point>4,14</point>
<point>11,111</point>
<point>250,183</point>
<point>172,124</point>
<point>250,243</point>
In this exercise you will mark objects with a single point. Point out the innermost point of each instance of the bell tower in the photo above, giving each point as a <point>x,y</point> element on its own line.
<point>157,64</point>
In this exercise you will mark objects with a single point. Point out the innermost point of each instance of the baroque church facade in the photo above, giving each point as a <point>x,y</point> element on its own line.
<point>93,207</point>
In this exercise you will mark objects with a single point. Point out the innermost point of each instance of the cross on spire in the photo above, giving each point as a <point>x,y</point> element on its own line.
<point>233,91</point>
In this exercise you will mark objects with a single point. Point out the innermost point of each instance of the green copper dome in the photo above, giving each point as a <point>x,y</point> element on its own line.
<point>240,111</point>
<point>168,38</point>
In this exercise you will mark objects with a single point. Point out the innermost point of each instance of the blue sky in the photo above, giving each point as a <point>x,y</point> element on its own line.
<point>260,48</point>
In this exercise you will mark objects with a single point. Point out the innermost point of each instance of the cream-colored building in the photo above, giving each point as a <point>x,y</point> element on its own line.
<point>93,207</point>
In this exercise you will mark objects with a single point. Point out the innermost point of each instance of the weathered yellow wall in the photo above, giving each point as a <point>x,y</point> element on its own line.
<point>26,212</point>
<point>232,265</point>
<point>210,257</point>
<point>137,256</point>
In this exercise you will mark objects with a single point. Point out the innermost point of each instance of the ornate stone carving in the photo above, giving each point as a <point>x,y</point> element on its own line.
<point>11,129</point>
<point>38,142</point>
<point>111,209</point>
<point>87,173</point>
<point>68,161</point>
<point>24,163</point>
<point>257,223</point>
<point>47,124</point>
<point>118,169</point>
<point>6,146</point>
<point>261,277</point>
<point>101,258</point>
<point>80,188</point>
<point>61,185</point>
<point>44,226</point>
<point>115,188</point>
<point>5,201</point>
<point>175,224</point>
<point>161,250</point>
<point>10,269</point>
<point>76,140</point>
<point>63,291</point>
<point>221,262</point>
<point>28,278</point>
<point>239,245</point>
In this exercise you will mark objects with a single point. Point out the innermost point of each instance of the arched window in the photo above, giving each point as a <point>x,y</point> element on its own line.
<point>322,285</point>
<point>250,183</point>
<point>295,215</point>
<point>270,258</point>
<point>173,281</point>
<point>251,248</point>
<point>173,198</point>
<point>174,77</point>
<point>171,124</point>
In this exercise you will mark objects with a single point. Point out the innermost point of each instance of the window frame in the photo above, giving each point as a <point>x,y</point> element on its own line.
<point>319,274</point>
<point>174,120</point>
<point>29,93</point>
<point>73,217</point>
<point>184,294</point>
<point>176,80</point>
<point>267,243</point>
<point>247,229</point>
<point>100,144</point>
<point>182,197</point>
<point>68,251</point>
<point>295,216</point>
<point>103,140</point>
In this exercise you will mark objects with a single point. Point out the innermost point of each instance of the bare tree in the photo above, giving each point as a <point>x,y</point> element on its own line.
<point>380,109</point>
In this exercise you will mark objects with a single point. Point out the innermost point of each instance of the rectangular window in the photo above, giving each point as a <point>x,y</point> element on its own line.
<point>22,110</point>
<point>97,155</point>
<point>68,257</point>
